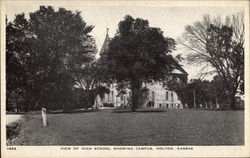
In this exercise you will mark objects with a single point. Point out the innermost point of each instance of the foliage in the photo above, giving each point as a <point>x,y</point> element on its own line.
<point>16,47</point>
<point>44,55</point>
<point>221,47</point>
<point>206,92</point>
<point>108,105</point>
<point>85,98</point>
<point>136,54</point>
<point>88,79</point>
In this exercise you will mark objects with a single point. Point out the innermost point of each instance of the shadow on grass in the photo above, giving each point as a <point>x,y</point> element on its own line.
<point>150,110</point>
<point>53,112</point>
<point>121,111</point>
<point>138,110</point>
<point>70,111</point>
<point>15,113</point>
<point>12,130</point>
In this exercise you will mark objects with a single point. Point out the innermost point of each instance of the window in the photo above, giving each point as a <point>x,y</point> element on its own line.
<point>178,106</point>
<point>105,97</point>
<point>109,96</point>
<point>153,96</point>
<point>112,96</point>
<point>102,98</point>
<point>166,95</point>
<point>172,96</point>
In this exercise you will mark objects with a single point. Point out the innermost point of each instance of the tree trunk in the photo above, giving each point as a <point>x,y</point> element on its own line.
<point>136,85</point>
<point>87,99</point>
<point>232,101</point>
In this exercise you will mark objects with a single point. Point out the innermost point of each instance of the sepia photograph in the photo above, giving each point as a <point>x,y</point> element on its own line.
<point>124,76</point>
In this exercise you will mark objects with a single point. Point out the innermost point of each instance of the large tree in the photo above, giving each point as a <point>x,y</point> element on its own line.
<point>88,80</point>
<point>218,46</point>
<point>51,47</point>
<point>138,53</point>
<point>16,47</point>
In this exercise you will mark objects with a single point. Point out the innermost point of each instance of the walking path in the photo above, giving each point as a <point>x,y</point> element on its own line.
<point>12,118</point>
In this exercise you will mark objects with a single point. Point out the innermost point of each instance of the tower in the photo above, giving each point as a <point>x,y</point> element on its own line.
<point>105,43</point>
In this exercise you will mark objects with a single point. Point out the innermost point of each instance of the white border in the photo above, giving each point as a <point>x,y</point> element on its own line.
<point>199,151</point>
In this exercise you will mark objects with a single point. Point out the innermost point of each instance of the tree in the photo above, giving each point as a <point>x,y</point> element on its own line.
<point>17,47</point>
<point>218,90</point>
<point>221,47</point>
<point>206,92</point>
<point>138,53</point>
<point>197,86</point>
<point>52,46</point>
<point>88,79</point>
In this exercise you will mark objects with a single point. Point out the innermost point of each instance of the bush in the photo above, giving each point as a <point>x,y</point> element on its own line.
<point>108,105</point>
<point>150,110</point>
<point>111,105</point>
<point>105,104</point>
<point>12,130</point>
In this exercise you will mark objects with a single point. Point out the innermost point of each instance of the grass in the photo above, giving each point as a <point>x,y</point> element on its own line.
<point>123,109</point>
<point>173,127</point>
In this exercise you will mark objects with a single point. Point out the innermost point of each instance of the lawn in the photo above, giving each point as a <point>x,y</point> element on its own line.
<point>173,127</point>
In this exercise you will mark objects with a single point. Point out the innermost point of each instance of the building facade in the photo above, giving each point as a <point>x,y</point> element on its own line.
<point>156,96</point>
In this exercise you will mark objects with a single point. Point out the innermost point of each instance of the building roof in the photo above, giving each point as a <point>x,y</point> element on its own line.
<point>105,43</point>
<point>178,68</point>
<point>176,71</point>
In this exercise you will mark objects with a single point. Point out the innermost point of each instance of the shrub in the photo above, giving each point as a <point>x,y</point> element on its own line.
<point>12,130</point>
<point>151,110</point>
<point>111,105</point>
<point>108,105</point>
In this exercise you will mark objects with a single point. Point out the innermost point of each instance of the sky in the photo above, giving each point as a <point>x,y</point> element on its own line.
<point>171,20</point>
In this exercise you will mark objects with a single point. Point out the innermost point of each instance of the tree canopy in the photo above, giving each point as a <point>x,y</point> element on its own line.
<point>220,46</point>
<point>49,49</point>
<point>138,53</point>
<point>207,93</point>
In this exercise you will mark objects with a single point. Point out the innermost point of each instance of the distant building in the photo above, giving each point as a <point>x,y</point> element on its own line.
<point>155,96</point>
